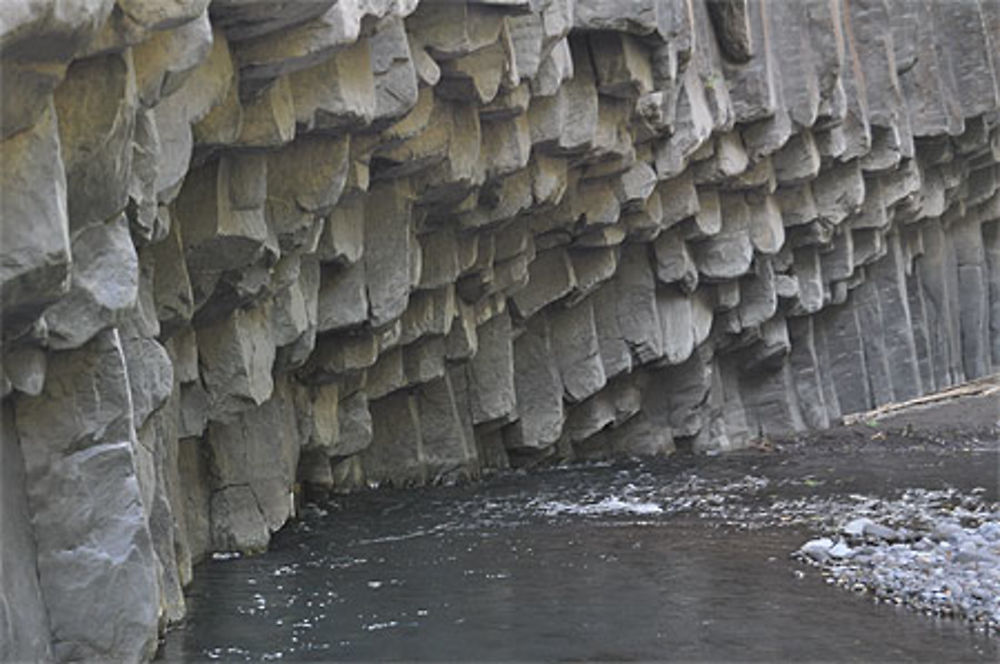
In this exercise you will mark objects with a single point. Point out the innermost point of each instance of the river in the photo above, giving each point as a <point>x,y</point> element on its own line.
<point>678,559</point>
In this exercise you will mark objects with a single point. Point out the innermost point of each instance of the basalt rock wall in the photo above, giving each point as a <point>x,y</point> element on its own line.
<point>254,248</point>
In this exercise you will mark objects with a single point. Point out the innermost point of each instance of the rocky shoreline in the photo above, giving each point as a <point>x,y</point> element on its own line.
<point>946,562</point>
<point>935,551</point>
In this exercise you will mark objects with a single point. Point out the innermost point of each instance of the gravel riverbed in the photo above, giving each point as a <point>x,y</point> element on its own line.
<point>934,551</point>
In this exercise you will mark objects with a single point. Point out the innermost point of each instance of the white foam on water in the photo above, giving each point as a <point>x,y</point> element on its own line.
<point>608,505</point>
<point>372,627</point>
<point>420,532</point>
<point>226,555</point>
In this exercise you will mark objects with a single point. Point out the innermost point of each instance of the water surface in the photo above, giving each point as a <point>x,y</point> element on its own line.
<point>683,559</point>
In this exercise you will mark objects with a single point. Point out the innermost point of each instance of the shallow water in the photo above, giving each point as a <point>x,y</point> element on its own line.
<point>680,560</point>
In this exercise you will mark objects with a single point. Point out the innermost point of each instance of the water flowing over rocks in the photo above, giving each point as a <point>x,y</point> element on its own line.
<point>250,249</point>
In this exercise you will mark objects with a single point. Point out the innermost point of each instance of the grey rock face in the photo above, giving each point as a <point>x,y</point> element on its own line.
<point>24,622</point>
<point>34,271</point>
<point>89,519</point>
<point>538,386</point>
<point>39,40</point>
<point>103,288</point>
<point>96,106</point>
<point>252,462</point>
<point>491,372</point>
<point>235,357</point>
<point>248,247</point>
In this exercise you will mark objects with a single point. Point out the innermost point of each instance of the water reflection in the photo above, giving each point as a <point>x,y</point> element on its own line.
<point>598,563</point>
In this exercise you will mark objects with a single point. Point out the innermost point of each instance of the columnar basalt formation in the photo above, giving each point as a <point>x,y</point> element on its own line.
<point>254,246</point>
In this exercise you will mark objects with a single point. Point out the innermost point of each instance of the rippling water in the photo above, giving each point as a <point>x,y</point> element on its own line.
<point>678,560</point>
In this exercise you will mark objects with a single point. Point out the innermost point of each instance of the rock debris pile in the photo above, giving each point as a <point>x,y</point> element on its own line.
<point>934,551</point>
<point>253,246</point>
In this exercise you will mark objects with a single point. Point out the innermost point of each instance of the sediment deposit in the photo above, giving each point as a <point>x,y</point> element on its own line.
<point>251,246</point>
